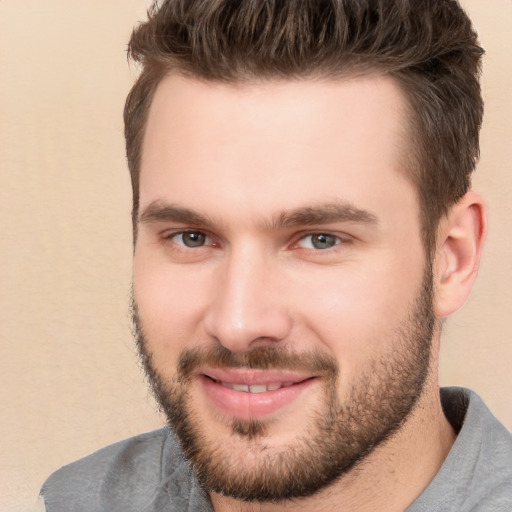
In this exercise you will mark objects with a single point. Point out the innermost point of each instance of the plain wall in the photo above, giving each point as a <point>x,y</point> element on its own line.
<point>70,381</point>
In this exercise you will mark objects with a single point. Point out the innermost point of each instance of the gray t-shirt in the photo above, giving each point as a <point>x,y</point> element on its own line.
<point>148,473</point>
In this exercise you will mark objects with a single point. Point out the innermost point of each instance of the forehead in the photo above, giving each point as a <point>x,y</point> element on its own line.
<point>273,145</point>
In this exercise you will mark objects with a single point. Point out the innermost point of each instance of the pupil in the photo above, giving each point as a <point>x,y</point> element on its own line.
<point>323,241</point>
<point>193,239</point>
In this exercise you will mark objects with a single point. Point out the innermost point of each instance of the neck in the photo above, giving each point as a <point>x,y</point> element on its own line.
<point>392,476</point>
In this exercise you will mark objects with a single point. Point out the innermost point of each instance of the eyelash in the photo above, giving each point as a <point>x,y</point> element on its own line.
<point>334,238</point>
<point>303,236</point>
<point>174,235</point>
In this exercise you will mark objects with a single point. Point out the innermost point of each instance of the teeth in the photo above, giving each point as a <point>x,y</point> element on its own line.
<point>241,387</point>
<point>257,388</point>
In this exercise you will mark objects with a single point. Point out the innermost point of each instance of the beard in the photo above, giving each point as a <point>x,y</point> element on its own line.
<point>339,434</point>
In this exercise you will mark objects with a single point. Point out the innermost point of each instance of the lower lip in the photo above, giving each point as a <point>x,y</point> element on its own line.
<point>246,405</point>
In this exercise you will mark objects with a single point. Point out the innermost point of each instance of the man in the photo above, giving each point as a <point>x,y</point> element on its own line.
<point>303,223</point>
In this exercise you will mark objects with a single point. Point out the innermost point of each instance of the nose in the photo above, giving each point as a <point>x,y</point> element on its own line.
<point>248,307</point>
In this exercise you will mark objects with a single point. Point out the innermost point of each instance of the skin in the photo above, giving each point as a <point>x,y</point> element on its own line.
<point>242,157</point>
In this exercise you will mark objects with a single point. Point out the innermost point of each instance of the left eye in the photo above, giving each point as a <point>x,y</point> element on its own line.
<point>319,241</point>
<point>191,239</point>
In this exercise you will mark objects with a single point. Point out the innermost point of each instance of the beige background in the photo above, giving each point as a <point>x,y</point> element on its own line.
<point>70,381</point>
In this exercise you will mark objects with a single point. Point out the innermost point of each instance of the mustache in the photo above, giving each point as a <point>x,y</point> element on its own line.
<point>191,360</point>
<point>262,358</point>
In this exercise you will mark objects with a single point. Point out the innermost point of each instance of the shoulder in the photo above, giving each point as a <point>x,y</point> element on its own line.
<point>477,474</point>
<point>129,475</point>
<point>487,450</point>
<point>480,435</point>
<point>128,456</point>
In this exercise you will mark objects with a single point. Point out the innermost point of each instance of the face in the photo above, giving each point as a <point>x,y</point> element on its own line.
<point>283,300</point>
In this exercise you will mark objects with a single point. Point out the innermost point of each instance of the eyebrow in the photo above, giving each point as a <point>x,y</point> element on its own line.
<point>323,213</point>
<point>160,212</point>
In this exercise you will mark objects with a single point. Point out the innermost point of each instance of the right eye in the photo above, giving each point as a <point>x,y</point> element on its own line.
<point>191,239</point>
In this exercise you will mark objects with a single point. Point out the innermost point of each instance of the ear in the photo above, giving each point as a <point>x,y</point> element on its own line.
<point>460,239</point>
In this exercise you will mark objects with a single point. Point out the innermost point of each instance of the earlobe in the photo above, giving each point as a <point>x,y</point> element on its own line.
<point>460,239</point>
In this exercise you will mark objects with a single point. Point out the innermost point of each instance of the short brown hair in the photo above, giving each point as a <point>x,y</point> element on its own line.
<point>428,46</point>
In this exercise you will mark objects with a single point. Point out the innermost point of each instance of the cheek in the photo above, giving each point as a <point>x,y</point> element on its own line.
<point>356,313</point>
<point>170,305</point>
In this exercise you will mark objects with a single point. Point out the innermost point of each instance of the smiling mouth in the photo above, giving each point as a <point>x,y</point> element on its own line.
<point>254,388</point>
<point>257,387</point>
<point>249,394</point>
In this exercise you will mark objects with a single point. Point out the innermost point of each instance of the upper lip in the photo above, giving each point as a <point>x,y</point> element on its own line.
<point>254,376</point>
